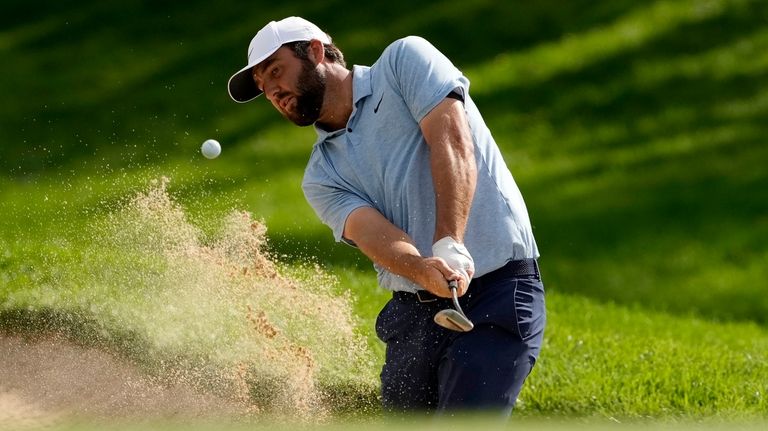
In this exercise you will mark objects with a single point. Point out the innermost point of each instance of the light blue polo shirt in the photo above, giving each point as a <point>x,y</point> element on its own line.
<point>381,160</point>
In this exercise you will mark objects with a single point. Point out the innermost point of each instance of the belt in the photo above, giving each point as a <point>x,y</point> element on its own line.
<point>522,268</point>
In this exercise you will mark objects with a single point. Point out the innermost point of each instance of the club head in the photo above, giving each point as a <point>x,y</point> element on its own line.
<point>453,320</point>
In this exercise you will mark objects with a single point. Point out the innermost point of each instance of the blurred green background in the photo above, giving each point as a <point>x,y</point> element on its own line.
<point>636,131</point>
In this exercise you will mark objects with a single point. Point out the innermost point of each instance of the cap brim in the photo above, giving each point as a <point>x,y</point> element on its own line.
<point>241,86</point>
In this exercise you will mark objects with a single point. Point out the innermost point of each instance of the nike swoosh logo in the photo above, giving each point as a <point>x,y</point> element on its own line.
<point>376,109</point>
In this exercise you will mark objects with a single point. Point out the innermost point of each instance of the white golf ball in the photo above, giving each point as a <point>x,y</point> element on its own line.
<point>211,148</point>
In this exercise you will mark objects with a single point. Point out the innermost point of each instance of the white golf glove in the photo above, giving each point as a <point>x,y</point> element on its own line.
<point>455,254</point>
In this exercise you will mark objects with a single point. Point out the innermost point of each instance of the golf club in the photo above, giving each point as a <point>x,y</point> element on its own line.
<point>455,320</point>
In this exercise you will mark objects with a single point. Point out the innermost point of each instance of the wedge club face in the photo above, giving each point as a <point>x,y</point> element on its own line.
<point>455,320</point>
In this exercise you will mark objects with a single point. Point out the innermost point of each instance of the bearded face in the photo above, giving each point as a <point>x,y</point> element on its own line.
<point>311,92</point>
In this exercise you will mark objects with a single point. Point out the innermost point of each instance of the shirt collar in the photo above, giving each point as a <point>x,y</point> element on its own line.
<point>361,88</point>
<point>361,83</point>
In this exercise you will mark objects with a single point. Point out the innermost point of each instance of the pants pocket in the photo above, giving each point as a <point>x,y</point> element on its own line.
<point>398,317</point>
<point>530,312</point>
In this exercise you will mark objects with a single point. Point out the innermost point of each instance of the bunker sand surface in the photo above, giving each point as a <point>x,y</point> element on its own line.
<point>154,311</point>
<point>45,380</point>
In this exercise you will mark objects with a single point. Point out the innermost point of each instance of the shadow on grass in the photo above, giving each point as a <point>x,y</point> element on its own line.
<point>668,208</point>
<point>661,145</point>
<point>128,84</point>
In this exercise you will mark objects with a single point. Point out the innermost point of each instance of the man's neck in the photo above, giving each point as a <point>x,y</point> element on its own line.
<point>337,103</point>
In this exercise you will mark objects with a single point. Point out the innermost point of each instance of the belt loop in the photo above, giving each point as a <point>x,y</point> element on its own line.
<point>426,299</point>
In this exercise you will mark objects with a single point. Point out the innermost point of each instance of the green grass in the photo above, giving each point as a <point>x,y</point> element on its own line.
<point>454,424</point>
<point>635,130</point>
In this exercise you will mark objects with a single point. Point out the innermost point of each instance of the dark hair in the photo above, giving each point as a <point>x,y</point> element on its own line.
<point>332,52</point>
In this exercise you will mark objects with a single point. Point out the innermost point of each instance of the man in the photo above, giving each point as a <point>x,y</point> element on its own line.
<point>405,169</point>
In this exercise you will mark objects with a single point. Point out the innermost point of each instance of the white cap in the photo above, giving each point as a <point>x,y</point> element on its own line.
<point>268,40</point>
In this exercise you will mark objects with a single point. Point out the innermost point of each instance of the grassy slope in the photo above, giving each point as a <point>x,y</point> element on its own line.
<point>634,130</point>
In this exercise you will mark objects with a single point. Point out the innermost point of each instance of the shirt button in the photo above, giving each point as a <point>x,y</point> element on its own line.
<point>349,129</point>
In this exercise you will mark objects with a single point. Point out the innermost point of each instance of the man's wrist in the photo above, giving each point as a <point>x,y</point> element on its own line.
<point>439,236</point>
<point>412,267</point>
<point>445,240</point>
<point>455,254</point>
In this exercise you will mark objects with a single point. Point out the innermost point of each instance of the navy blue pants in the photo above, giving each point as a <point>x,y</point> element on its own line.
<point>430,368</point>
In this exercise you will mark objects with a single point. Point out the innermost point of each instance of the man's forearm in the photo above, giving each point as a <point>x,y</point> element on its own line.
<point>388,246</point>
<point>454,170</point>
<point>383,242</point>
<point>454,180</point>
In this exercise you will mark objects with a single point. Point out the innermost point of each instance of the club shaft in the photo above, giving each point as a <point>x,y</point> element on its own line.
<point>454,288</point>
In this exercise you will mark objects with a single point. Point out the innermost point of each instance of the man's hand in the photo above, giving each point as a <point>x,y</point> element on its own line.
<point>390,247</point>
<point>435,278</point>
<point>458,259</point>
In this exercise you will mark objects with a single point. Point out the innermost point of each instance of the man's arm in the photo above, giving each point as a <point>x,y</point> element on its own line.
<point>390,247</point>
<point>454,171</point>
<point>454,174</point>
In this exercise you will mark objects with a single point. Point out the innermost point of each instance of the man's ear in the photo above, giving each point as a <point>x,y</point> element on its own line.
<point>316,52</point>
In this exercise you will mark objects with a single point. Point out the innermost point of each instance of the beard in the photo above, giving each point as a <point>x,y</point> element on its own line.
<point>311,92</point>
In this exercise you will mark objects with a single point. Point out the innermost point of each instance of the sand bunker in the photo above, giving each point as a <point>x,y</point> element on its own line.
<point>200,312</point>
<point>46,380</point>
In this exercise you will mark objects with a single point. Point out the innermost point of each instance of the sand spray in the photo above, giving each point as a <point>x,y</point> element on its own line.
<point>215,310</point>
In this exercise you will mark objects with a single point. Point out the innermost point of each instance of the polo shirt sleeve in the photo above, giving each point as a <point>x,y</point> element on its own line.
<point>332,202</point>
<point>423,74</point>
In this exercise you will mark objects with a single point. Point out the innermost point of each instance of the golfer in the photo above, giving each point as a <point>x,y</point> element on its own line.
<point>405,169</point>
